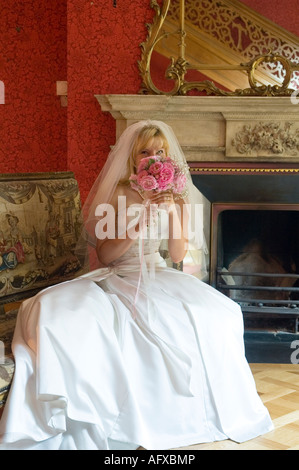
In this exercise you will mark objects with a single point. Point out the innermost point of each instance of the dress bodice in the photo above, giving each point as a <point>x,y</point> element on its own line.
<point>149,240</point>
<point>147,246</point>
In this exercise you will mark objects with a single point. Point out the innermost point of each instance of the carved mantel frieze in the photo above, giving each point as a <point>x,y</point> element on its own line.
<point>263,136</point>
<point>267,139</point>
<point>212,128</point>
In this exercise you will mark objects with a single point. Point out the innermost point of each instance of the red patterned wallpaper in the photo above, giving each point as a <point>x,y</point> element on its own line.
<point>95,46</point>
<point>103,50</point>
<point>32,58</point>
<point>285,14</point>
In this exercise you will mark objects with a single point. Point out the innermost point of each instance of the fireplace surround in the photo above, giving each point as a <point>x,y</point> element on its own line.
<point>243,154</point>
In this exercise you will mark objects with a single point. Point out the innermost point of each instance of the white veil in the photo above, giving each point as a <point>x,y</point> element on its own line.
<point>104,187</point>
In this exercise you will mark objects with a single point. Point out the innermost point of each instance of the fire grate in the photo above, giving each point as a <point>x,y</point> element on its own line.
<point>261,301</point>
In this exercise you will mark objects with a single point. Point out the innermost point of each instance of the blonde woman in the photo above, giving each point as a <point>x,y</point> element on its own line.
<point>134,353</point>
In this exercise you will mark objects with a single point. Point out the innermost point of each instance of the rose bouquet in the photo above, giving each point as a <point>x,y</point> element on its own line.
<point>159,174</point>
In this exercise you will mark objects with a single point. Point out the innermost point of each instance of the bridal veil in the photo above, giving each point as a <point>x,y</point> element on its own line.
<point>114,171</point>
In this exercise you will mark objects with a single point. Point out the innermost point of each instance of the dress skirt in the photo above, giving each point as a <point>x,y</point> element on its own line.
<point>105,362</point>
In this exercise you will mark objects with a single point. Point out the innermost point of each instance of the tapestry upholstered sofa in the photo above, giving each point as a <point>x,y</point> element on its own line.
<point>39,228</point>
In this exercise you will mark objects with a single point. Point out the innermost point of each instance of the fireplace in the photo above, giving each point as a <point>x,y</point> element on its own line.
<point>254,260</point>
<point>254,240</point>
<point>241,150</point>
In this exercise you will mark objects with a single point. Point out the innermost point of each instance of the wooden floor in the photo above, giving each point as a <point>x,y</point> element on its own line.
<point>278,387</point>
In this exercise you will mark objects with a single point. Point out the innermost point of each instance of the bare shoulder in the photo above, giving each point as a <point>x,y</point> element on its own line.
<point>119,191</point>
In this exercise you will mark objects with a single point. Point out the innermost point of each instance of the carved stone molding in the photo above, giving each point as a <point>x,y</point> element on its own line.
<point>268,139</point>
<point>217,129</point>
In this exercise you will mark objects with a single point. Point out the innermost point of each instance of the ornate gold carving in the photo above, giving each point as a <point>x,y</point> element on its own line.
<point>241,30</point>
<point>269,137</point>
<point>176,70</point>
<point>220,20</point>
<point>269,90</point>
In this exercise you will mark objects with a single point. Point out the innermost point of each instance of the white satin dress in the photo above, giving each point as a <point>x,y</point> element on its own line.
<point>97,368</point>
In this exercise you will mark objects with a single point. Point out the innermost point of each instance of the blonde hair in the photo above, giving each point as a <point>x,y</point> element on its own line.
<point>146,135</point>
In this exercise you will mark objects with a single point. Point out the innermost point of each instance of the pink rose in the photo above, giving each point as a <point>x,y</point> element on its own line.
<point>180,183</point>
<point>163,185</point>
<point>155,168</point>
<point>166,177</point>
<point>169,167</point>
<point>148,183</point>
<point>140,175</point>
<point>133,182</point>
<point>144,162</point>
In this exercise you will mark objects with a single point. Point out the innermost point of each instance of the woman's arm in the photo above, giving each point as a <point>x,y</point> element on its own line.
<point>110,249</point>
<point>177,219</point>
<point>177,240</point>
<point>120,240</point>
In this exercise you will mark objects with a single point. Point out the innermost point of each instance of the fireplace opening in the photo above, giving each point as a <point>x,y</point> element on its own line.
<point>255,261</point>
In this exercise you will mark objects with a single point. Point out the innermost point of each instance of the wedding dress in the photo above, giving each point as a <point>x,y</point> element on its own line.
<point>105,362</point>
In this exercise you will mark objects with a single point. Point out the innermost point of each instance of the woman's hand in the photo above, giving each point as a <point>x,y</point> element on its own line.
<point>164,198</point>
<point>176,240</point>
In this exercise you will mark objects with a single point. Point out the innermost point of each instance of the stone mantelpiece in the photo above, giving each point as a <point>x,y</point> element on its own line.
<point>217,129</point>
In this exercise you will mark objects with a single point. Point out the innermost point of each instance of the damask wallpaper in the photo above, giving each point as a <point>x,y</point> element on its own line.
<point>94,45</point>
<point>32,59</point>
<point>103,50</point>
<point>285,14</point>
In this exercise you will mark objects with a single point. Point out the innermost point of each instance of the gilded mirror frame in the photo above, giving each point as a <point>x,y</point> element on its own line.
<point>179,66</point>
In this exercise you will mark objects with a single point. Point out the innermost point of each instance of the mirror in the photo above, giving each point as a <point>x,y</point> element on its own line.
<point>220,48</point>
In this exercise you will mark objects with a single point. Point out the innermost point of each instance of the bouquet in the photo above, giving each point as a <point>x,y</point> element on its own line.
<point>159,174</point>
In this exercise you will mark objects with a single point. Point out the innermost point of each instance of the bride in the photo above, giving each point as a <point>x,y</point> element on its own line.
<point>133,353</point>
